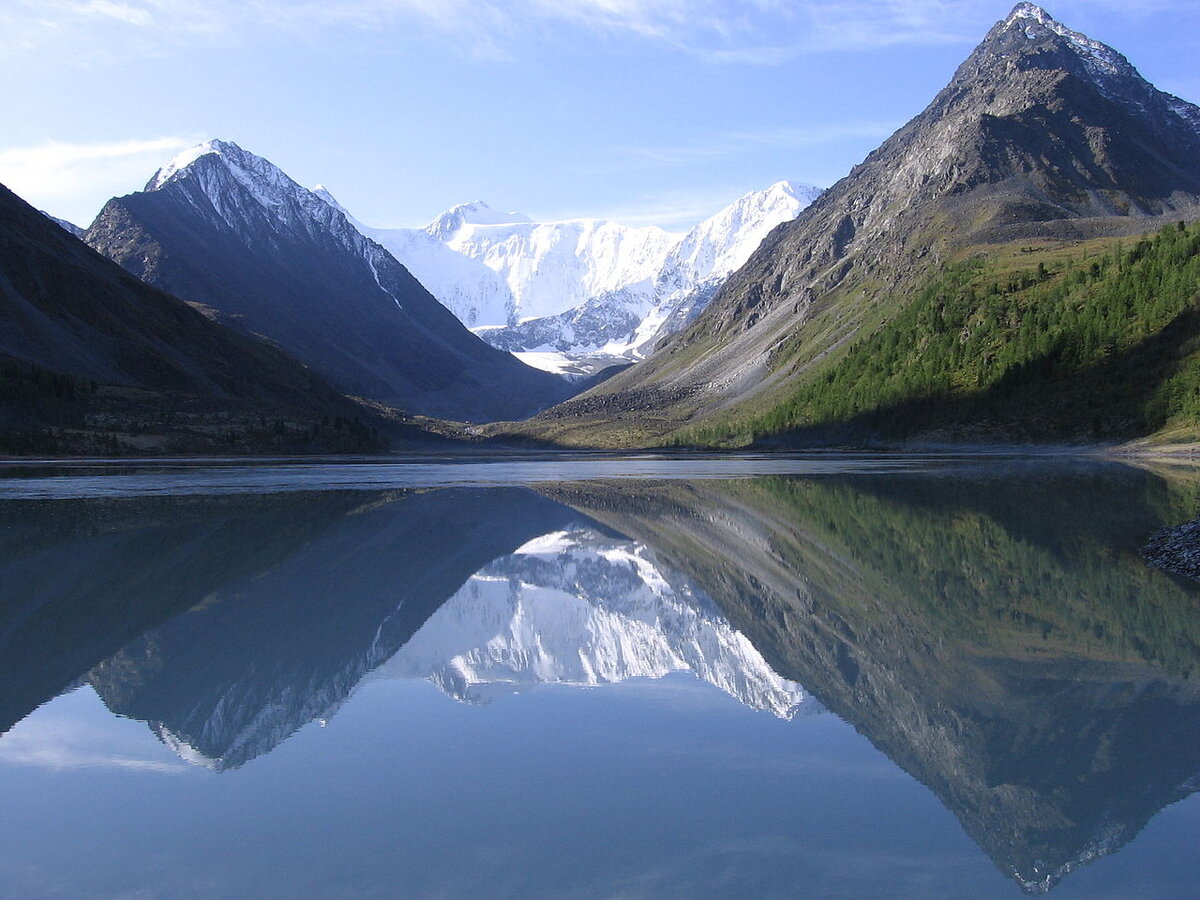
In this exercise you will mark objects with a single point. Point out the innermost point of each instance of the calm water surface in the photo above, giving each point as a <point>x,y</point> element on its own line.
<point>597,677</point>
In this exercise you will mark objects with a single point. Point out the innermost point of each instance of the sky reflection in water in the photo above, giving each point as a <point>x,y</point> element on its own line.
<point>942,680</point>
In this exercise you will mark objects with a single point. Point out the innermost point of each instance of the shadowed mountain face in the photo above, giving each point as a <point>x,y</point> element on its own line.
<point>230,232</point>
<point>264,655</point>
<point>1042,133</point>
<point>81,579</point>
<point>1023,664</point>
<point>84,345</point>
<point>230,622</point>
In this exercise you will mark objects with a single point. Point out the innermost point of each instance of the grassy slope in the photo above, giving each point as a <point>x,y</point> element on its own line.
<point>1097,341</point>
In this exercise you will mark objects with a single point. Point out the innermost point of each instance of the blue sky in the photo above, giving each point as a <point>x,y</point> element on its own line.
<point>644,111</point>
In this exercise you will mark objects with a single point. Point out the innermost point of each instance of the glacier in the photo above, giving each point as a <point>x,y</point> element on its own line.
<point>575,296</point>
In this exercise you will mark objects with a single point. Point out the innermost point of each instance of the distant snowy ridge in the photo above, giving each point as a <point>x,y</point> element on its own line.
<point>582,287</point>
<point>493,268</point>
<point>625,324</point>
<point>580,608</point>
<point>69,227</point>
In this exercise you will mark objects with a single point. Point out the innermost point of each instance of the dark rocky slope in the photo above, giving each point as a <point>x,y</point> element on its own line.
<point>231,233</point>
<point>88,352</point>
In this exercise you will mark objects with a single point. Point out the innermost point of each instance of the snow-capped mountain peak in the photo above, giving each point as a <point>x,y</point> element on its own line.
<point>1112,72</point>
<point>449,223</point>
<point>184,159</point>
<point>1101,58</point>
<point>722,243</point>
<point>262,183</point>
<point>323,192</point>
<point>247,166</point>
<point>582,286</point>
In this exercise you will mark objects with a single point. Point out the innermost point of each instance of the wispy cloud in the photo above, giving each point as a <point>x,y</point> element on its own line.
<point>62,745</point>
<point>121,12</point>
<point>48,173</point>
<point>726,31</point>
<point>729,32</point>
<point>768,32</point>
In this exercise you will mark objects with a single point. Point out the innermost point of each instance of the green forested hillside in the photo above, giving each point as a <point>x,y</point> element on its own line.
<point>1079,348</point>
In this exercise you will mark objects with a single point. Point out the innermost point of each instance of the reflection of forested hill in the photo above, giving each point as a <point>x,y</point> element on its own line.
<point>269,651</point>
<point>79,579</point>
<point>998,639</point>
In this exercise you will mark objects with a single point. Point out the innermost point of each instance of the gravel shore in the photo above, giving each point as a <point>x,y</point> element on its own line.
<point>1176,549</point>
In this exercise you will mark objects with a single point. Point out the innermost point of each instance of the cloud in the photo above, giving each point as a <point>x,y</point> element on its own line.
<point>726,32</point>
<point>769,32</point>
<point>53,172</point>
<point>63,745</point>
<point>121,12</point>
<point>729,31</point>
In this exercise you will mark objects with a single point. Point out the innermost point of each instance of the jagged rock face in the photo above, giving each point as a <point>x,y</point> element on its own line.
<point>230,232</point>
<point>1039,128</point>
<point>1041,133</point>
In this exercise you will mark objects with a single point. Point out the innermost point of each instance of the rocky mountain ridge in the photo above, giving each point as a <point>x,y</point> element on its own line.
<point>1042,134</point>
<point>94,360</point>
<point>233,234</point>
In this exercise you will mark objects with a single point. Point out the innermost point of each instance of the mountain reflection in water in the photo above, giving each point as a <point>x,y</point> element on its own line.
<point>996,636</point>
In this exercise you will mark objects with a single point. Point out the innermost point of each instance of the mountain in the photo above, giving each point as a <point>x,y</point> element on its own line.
<point>93,360</point>
<point>482,591</point>
<point>492,268</point>
<point>626,323</point>
<point>990,649</point>
<point>82,579</point>
<point>582,607</point>
<point>283,639</point>
<point>232,234</point>
<point>564,291</point>
<point>70,227</point>
<point>1042,136</point>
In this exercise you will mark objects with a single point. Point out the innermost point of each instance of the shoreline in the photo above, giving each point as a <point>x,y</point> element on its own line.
<point>1171,452</point>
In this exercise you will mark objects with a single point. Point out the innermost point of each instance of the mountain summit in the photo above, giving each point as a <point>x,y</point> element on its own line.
<point>232,233</point>
<point>582,293</point>
<point>1043,133</point>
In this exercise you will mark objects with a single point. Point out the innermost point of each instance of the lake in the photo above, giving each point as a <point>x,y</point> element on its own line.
<point>590,676</point>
